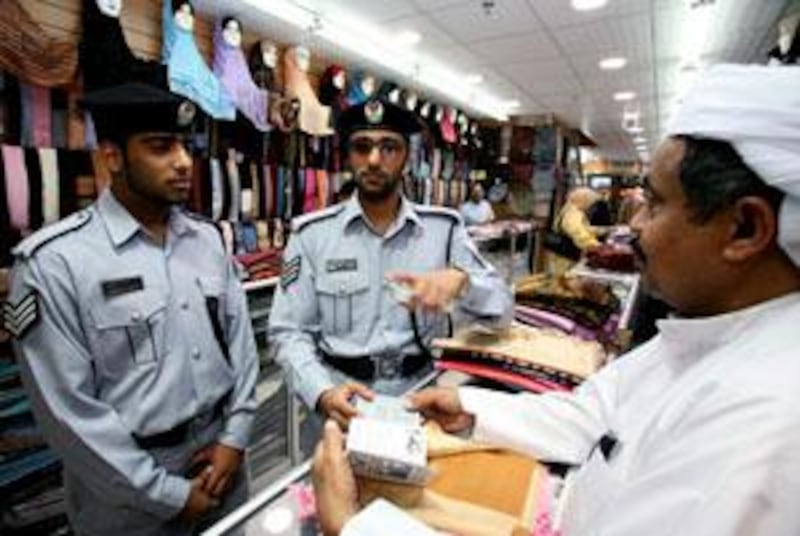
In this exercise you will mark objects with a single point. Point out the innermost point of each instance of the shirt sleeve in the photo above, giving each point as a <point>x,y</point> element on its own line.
<point>244,359</point>
<point>554,427</point>
<point>487,296</point>
<point>576,226</point>
<point>58,373</point>
<point>294,325</point>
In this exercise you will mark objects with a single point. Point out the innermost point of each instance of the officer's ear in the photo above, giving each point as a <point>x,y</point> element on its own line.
<point>112,154</point>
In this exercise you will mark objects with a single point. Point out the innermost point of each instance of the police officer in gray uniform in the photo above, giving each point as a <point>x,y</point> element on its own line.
<point>133,336</point>
<point>337,325</point>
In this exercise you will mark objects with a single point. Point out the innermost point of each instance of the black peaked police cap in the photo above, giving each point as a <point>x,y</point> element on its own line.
<point>124,110</point>
<point>377,115</point>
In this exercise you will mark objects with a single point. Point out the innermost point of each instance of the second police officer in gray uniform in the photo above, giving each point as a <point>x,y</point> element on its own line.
<point>335,325</point>
<point>133,336</point>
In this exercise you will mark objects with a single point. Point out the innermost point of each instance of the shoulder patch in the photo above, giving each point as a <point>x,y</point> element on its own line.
<point>299,223</point>
<point>28,247</point>
<point>18,318</point>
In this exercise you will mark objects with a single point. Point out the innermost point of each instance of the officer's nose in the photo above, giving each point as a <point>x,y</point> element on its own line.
<point>374,159</point>
<point>182,158</point>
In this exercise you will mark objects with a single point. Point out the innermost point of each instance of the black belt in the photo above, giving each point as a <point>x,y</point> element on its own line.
<point>364,368</point>
<point>178,434</point>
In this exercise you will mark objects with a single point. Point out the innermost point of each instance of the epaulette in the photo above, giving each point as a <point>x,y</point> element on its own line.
<point>442,212</point>
<point>300,222</point>
<point>205,219</point>
<point>31,245</point>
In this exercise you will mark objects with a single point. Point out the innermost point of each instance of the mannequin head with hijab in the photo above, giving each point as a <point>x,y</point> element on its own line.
<point>110,8</point>
<point>183,13</point>
<point>232,32</point>
<point>263,59</point>
<point>302,57</point>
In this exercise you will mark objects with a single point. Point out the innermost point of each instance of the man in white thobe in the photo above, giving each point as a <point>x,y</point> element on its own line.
<point>698,431</point>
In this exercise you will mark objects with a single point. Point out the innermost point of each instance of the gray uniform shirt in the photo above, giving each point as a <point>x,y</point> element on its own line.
<point>333,295</point>
<point>121,342</point>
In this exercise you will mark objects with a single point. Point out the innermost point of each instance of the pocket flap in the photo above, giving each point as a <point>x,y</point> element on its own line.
<point>341,285</point>
<point>128,310</point>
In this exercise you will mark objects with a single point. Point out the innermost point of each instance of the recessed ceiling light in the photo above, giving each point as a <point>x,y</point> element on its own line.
<point>588,5</point>
<point>408,38</point>
<point>640,140</point>
<point>613,64</point>
<point>622,96</point>
<point>513,104</point>
<point>635,130</point>
<point>474,79</point>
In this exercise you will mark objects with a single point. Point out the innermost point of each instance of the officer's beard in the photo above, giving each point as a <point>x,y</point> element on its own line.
<point>375,185</point>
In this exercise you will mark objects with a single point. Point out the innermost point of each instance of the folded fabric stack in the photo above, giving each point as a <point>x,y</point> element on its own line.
<point>499,229</point>
<point>588,303</point>
<point>532,358</point>
<point>613,257</point>
<point>261,265</point>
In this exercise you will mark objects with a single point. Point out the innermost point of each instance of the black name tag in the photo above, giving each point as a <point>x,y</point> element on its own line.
<point>119,287</point>
<point>341,265</point>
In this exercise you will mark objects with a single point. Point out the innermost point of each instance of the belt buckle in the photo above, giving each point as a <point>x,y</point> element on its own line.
<point>388,366</point>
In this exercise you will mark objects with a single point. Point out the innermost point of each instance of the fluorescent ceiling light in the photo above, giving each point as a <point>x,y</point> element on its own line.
<point>511,104</point>
<point>588,5</point>
<point>640,140</point>
<point>474,79</point>
<point>613,64</point>
<point>635,130</point>
<point>624,96</point>
<point>408,38</point>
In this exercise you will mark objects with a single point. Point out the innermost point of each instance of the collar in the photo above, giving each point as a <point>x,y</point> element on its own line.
<point>122,226</point>
<point>698,336</point>
<point>353,211</point>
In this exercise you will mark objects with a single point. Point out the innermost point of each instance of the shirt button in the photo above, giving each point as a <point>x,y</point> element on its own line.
<point>136,317</point>
<point>196,353</point>
<point>184,305</point>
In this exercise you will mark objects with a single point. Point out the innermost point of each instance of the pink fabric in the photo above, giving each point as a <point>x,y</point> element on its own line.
<point>543,524</point>
<point>493,373</point>
<point>310,194</point>
<point>42,118</point>
<point>323,192</point>
<point>17,189</point>
<point>305,500</point>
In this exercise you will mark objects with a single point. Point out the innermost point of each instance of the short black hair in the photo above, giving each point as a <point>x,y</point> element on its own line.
<point>714,176</point>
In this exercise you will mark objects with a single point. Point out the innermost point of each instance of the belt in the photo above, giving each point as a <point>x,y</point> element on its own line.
<point>379,366</point>
<point>178,434</point>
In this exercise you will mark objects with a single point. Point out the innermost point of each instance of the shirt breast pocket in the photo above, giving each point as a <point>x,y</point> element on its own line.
<point>130,330</point>
<point>342,303</point>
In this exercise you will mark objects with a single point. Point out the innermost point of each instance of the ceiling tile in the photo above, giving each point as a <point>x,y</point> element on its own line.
<point>516,48</point>
<point>468,22</point>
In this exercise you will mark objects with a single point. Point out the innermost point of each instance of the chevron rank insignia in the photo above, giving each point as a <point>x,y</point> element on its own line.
<point>20,317</point>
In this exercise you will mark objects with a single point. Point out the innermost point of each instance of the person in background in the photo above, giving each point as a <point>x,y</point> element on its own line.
<point>367,284</point>
<point>572,223</point>
<point>476,210</point>
<point>133,336</point>
<point>697,432</point>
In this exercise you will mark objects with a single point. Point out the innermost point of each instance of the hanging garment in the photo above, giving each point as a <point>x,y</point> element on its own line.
<point>42,117</point>
<point>217,189</point>
<point>323,189</point>
<point>28,53</point>
<point>34,172</point>
<point>188,73</point>
<point>231,69</point>
<point>105,57</point>
<point>262,231</point>
<point>102,175</point>
<point>50,185</point>
<point>310,191</point>
<point>17,189</point>
<point>258,197</point>
<point>60,119</point>
<point>76,128</point>
<point>269,177</point>
<point>234,186</point>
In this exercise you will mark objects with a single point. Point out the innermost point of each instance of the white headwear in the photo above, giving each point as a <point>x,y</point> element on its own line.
<point>757,110</point>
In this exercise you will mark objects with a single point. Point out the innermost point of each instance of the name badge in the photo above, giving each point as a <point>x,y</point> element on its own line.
<point>341,265</point>
<point>120,287</point>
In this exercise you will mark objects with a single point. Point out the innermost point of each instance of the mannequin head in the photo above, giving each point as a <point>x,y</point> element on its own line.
<point>439,114</point>
<point>232,32</point>
<point>411,99</point>
<point>339,80</point>
<point>425,110</point>
<point>183,14</point>
<point>788,33</point>
<point>368,85</point>
<point>303,58</point>
<point>269,53</point>
<point>110,8</point>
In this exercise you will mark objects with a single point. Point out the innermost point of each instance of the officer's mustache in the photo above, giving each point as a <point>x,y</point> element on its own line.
<point>374,172</point>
